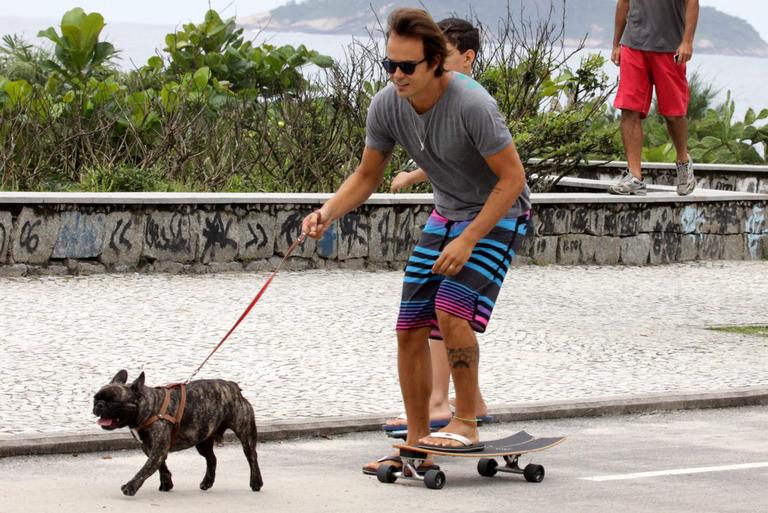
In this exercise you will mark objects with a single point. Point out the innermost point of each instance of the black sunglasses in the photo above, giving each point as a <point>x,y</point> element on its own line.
<point>407,67</point>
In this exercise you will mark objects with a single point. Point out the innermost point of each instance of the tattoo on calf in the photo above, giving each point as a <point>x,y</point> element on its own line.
<point>463,357</point>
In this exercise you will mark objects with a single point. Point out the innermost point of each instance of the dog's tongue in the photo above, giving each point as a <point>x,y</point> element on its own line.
<point>105,421</point>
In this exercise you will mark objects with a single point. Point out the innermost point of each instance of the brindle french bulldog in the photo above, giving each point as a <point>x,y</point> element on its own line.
<point>212,407</point>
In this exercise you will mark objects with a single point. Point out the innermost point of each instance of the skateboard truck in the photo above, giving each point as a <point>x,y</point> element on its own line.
<point>433,479</point>
<point>532,473</point>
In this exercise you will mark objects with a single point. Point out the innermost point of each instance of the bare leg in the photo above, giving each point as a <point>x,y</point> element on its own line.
<point>439,404</point>
<point>678,132</point>
<point>415,369</point>
<point>414,366</point>
<point>463,357</point>
<point>439,408</point>
<point>632,136</point>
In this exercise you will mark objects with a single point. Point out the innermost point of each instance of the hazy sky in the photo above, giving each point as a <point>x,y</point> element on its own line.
<point>179,11</point>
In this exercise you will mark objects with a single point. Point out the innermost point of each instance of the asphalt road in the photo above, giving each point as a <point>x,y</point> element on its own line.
<point>692,461</point>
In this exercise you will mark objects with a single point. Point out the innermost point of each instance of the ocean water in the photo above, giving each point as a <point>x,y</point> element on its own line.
<point>745,77</point>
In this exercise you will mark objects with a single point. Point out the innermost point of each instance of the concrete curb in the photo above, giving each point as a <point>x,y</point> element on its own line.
<point>328,426</point>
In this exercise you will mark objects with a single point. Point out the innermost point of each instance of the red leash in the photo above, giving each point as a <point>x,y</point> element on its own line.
<point>250,307</point>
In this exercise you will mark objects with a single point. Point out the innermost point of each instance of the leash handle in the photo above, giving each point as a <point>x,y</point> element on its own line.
<point>250,306</point>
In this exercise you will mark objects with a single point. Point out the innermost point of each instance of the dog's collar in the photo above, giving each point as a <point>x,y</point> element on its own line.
<point>163,413</point>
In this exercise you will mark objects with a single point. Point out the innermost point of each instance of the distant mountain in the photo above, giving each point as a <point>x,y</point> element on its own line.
<point>717,32</point>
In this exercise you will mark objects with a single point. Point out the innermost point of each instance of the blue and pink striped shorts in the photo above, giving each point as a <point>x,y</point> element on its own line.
<point>471,294</point>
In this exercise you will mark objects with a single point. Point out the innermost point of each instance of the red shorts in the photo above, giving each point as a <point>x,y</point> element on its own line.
<point>640,71</point>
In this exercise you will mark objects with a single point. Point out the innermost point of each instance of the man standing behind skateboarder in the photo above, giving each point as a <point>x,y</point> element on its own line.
<point>451,127</point>
<point>652,43</point>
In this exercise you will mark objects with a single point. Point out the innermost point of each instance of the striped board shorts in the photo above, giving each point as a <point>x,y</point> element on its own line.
<point>471,293</point>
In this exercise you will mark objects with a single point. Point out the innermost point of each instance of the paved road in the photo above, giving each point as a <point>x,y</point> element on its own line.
<point>322,343</point>
<point>702,461</point>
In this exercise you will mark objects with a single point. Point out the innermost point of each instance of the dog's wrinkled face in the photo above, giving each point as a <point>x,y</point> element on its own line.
<point>116,404</point>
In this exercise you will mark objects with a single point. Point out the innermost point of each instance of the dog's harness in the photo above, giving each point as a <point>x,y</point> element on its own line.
<point>163,413</point>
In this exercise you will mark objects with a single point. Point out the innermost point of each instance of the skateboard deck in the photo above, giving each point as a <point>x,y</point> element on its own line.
<point>517,444</point>
<point>509,448</point>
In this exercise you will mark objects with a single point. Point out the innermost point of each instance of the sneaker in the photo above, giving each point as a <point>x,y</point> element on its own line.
<point>628,185</point>
<point>686,182</point>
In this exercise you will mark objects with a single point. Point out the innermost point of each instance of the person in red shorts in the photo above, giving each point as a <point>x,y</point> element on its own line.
<point>652,43</point>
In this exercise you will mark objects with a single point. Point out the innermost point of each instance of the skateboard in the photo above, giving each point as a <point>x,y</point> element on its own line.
<point>509,448</point>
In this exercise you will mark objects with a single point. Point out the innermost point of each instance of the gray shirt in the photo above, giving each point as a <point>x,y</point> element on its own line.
<point>456,134</point>
<point>655,25</point>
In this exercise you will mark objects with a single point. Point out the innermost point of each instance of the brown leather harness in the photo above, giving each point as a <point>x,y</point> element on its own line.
<point>163,413</point>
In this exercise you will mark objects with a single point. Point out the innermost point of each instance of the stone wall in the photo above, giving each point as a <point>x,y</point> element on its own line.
<point>185,233</point>
<point>656,233</point>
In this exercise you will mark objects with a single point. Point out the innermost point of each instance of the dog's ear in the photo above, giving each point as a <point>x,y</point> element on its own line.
<point>120,378</point>
<point>137,385</point>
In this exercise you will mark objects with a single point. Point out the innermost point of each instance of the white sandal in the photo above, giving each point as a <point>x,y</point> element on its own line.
<point>468,446</point>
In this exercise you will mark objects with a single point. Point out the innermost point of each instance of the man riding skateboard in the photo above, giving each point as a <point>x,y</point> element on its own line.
<point>451,127</point>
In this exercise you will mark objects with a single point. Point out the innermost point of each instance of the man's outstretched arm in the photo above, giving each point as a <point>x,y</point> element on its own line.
<point>353,192</point>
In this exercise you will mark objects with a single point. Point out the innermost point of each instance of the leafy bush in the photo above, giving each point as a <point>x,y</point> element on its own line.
<point>219,113</point>
<point>713,134</point>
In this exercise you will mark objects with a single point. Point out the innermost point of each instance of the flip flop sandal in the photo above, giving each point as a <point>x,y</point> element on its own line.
<point>433,424</point>
<point>372,471</point>
<point>423,469</point>
<point>467,445</point>
<point>484,419</point>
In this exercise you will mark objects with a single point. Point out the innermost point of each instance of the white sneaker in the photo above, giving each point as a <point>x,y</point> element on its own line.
<point>686,182</point>
<point>628,185</point>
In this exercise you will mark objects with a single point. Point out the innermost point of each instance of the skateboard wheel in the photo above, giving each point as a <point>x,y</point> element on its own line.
<point>487,467</point>
<point>434,479</point>
<point>533,473</point>
<point>386,474</point>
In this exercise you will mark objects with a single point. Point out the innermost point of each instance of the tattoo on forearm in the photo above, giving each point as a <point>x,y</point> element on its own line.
<point>463,357</point>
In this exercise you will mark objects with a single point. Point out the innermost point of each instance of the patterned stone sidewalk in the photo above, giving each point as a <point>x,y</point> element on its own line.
<point>321,343</point>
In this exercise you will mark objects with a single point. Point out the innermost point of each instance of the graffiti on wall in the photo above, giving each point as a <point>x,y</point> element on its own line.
<point>81,235</point>
<point>28,239</point>
<point>290,229</point>
<point>216,234</point>
<point>258,236</point>
<point>3,240</point>
<point>353,236</point>
<point>118,240</point>
<point>167,236</point>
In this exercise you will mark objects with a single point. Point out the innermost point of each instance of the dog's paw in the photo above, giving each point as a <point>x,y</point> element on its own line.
<point>129,489</point>
<point>166,486</point>
<point>206,483</point>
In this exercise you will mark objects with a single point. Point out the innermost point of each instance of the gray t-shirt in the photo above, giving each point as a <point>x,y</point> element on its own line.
<point>462,128</point>
<point>655,25</point>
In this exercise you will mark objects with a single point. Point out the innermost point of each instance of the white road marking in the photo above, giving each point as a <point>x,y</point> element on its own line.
<point>677,472</point>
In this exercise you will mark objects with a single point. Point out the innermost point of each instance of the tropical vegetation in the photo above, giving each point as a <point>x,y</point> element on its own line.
<point>218,112</point>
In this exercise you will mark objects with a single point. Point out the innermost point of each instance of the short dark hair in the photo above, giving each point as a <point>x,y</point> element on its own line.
<point>408,22</point>
<point>461,34</point>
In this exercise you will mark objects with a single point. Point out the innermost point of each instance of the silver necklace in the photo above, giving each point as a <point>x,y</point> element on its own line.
<point>416,128</point>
